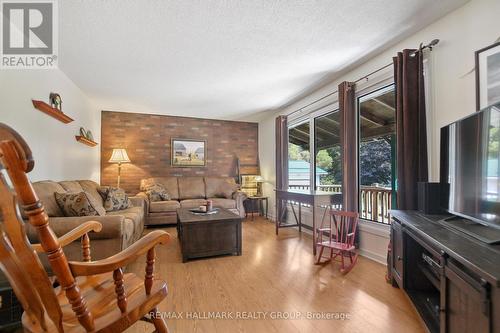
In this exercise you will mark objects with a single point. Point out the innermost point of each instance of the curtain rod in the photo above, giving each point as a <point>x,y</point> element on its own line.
<point>422,47</point>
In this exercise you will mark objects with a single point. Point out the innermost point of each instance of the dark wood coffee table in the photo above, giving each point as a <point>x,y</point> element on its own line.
<point>208,235</point>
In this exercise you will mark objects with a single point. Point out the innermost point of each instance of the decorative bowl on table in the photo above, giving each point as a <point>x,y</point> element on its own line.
<point>198,211</point>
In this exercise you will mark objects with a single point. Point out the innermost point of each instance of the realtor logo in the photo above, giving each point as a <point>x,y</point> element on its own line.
<point>29,34</point>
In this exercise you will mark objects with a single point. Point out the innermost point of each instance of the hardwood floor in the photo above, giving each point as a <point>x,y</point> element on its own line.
<point>276,276</point>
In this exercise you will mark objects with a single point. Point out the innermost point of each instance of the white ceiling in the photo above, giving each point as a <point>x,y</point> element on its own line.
<point>223,59</point>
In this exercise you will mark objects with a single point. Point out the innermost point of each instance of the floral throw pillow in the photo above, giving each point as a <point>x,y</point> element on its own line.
<point>157,192</point>
<point>75,204</point>
<point>114,198</point>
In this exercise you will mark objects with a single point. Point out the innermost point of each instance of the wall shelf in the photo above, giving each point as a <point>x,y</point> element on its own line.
<point>85,141</point>
<point>53,112</point>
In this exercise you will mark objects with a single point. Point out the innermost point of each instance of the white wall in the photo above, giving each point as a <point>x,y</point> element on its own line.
<point>58,156</point>
<point>463,31</point>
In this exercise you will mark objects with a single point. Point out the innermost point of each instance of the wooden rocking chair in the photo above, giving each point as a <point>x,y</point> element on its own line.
<point>92,296</point>
<point>341,232</point>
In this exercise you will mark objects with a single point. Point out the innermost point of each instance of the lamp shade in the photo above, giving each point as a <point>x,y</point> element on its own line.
<point>119,155</point>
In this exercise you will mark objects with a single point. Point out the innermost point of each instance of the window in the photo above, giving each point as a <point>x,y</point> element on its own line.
<point>299,157</point>
<point>328,175</point>
<point>377,153</point>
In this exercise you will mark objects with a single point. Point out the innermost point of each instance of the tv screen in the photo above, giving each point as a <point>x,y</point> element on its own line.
<point>470,165</point>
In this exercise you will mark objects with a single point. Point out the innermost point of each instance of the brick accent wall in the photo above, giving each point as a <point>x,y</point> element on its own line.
<point>147,140</point>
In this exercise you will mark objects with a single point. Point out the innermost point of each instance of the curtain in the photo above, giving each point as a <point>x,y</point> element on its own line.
<point>349,146</point>
<point>349,149</point>
<point>281,158</point>
<point>411,136</point>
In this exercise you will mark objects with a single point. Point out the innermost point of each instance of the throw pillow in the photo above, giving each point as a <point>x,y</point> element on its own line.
<point>114,198</point>
<point>157,192</point>
<point>75,204</point>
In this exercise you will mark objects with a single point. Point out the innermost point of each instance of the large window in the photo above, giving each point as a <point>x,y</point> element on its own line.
<point>377,147</point>
<point>299,157</point>
<point>315,154</point>
<point>328,175</point>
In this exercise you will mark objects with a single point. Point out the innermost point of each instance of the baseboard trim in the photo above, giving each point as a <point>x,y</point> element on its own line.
<point>373,256</point>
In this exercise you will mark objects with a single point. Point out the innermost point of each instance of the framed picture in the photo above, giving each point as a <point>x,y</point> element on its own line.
<point>488,76</point>
<point>188,153</point>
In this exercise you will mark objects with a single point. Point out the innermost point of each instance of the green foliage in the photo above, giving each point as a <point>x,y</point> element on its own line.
<point>375,162</point>
<point>293,152</point>
<point>324,160</point>
<point>296,153</point>
<point>329,160</point>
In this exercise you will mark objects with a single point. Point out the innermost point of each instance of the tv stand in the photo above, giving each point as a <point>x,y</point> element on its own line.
<point>484,233</point>
<point>452,280</point>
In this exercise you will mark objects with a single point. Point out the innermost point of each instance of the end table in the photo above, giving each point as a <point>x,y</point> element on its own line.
<point>255,204</point>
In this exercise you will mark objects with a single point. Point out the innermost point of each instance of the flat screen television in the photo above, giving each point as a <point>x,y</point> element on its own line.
<point>470,166</point>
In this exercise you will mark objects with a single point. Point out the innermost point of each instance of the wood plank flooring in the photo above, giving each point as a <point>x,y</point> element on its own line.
<point>275,276</point>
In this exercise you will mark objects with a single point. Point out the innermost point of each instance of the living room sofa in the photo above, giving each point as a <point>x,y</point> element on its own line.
<point>188,192</point>
<point>120,229</point>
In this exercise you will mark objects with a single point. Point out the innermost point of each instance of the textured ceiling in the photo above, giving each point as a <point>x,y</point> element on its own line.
<point>227,58</point>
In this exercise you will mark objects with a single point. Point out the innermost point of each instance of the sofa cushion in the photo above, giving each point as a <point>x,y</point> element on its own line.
<point>191,188</point>
<point>71,186</point>
<point>169,183</point>
<point>90,187</point>
<point>193,203</point>
<point>220,187</point>
<point>164,206</point>
<point>114,198</point>
<point>75,204</point>
<point>134,214</point>
<point>45,191</point>
<point>223,203</point>
<point>157,192</point>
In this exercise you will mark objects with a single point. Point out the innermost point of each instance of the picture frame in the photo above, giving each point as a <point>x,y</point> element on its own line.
<point>188,152</point>
<point>487,76</point>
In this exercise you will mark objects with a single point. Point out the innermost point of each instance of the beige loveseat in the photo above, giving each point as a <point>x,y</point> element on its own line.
<point>188,192</point>
<point>120,229</point>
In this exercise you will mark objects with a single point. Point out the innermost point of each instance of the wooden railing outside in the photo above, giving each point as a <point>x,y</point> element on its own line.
<point>375,201</point>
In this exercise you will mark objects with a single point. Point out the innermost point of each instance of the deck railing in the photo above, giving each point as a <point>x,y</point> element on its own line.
<point>375,201</point>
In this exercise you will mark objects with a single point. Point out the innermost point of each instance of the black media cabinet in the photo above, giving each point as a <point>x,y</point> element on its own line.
<point>452,279</point>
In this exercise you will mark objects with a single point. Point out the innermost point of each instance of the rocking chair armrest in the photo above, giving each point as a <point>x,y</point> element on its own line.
<point>74,234</point>
<point>121,259</point>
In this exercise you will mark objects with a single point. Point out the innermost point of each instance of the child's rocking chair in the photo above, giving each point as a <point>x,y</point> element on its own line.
<point>341,233</point>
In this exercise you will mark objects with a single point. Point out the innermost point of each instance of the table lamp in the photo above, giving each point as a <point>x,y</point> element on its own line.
<point>119,155</point>
<point>259,180</point>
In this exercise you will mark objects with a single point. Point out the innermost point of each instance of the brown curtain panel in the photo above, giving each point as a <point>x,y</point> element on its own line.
<point>349,149</point>
<point>281,157</point>
<point>411,134</point>
<point>349,146</point>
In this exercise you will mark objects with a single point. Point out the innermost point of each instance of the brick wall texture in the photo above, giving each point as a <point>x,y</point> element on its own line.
<point>147,141</point>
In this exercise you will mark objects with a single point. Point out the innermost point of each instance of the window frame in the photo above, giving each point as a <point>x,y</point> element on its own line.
<point>314,132</point>
<point>360,96</point>
<point>382,79</point>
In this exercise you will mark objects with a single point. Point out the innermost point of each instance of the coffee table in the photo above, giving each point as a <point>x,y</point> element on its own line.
<point>208,235</point>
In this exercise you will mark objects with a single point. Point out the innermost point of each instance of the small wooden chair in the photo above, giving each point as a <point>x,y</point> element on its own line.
<point>92,296</point>
<point>341,231</point>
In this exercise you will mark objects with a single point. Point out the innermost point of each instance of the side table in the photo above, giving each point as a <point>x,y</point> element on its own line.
<point>255,204</point>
